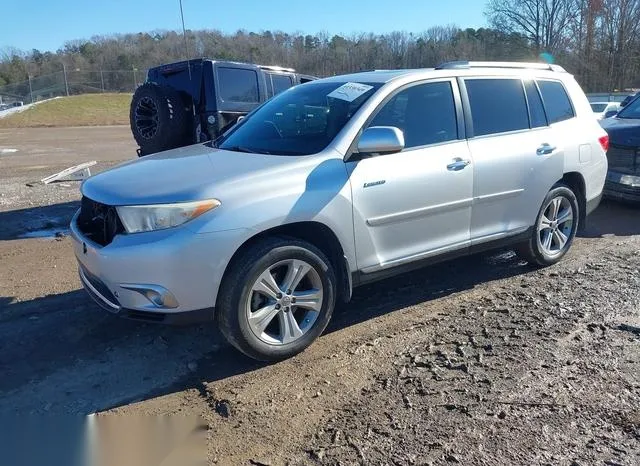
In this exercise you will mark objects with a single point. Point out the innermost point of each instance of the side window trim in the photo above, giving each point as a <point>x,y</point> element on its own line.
<point>269,84</point>
<point>564,88</point>
<point>527,103</point>
<point>467,106</point>
<point>460,126</point>
<point>544,109</point>
<point>526,98</point>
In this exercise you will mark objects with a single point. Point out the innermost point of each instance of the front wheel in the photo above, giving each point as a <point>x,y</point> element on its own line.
<point>276,298</point>
<point>555,228</point>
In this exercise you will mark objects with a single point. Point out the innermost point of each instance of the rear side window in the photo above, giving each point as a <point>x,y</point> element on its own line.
<point>426,114</point>
<point>536,109</point>
<point>497,105</point>
<point>238,85</point>
<point>281,82</point>
<point>556,101</point>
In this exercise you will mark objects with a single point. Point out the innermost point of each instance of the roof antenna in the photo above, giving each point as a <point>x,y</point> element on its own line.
<point>184,35</point>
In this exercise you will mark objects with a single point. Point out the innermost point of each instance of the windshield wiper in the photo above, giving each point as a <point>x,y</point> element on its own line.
<point>248,150</point>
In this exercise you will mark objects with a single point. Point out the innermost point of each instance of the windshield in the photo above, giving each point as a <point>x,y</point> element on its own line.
<point>301,121</point>
<point>598,108</point>
<point>631,111</point>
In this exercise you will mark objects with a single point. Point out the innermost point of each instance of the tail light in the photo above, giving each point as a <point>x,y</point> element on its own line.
<point>604,142</point>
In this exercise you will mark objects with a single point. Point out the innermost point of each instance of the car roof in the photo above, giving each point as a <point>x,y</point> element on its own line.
<point>509,69</point>
<point>376,76</point>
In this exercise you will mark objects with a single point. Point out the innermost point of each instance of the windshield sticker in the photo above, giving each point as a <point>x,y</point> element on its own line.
<point>350,91</point>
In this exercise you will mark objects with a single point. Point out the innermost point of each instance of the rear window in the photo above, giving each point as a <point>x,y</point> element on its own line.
<point>556,101</point>
<point>497,105</point>
<point>632,110</point>
<point>238,85</point>
<point>281,82</point>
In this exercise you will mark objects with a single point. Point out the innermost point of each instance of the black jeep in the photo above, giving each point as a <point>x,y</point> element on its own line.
<point>195,101</point>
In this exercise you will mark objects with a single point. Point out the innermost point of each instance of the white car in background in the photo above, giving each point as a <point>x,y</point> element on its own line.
<point>604,110</point>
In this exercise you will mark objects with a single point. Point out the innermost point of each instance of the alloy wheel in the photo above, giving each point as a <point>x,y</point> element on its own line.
<point>284,302</point>
<point>555,226</point>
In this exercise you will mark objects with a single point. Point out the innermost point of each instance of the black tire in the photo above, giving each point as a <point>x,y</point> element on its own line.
<point>158,118</point>
<point>533,250</point>
<point>236,291</point>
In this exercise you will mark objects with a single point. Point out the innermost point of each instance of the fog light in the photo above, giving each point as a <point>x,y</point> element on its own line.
<point>157,295</point>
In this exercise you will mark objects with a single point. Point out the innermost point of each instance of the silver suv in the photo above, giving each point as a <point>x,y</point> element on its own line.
<point>337,183</point>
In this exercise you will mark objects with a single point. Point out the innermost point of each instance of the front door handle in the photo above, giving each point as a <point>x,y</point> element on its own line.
<point>545,149</point>
<point>458,164</point>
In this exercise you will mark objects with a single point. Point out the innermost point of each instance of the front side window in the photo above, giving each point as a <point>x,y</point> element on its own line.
<point>497,105</point>
<point>556,101</point>
<point>426,114</point>
<point>238,85</point>
<point>302,121</point>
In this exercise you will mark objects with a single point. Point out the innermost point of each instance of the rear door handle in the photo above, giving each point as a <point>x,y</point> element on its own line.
<point>545,149</point>
<point>458,164</point>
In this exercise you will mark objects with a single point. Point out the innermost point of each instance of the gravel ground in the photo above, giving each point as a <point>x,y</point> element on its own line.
<point>483,360</point>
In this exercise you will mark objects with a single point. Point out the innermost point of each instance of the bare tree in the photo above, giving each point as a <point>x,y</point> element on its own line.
<point>620,20</point>
<point>597,40</point>
<point>544,22</point>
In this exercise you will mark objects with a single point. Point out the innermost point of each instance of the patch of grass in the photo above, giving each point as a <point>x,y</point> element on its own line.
<point>77,110</point>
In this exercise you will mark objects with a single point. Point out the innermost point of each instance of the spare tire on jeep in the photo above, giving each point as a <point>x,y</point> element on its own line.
<point>158,118</point>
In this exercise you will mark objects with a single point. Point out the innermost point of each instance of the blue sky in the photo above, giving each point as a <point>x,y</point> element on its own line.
<point>47,24</point>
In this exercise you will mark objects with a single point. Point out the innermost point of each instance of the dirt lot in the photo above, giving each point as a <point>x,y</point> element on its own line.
<point>484,360</point>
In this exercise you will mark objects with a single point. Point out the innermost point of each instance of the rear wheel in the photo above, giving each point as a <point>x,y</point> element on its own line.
<point>555,228</point>
<point>158,118</point>
<point>277,298</point>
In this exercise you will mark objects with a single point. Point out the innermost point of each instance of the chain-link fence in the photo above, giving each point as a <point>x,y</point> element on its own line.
<point>71,82</point>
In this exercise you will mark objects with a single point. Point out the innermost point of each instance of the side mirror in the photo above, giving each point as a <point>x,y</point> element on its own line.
<point>379,140</point>
<point>610,113</point>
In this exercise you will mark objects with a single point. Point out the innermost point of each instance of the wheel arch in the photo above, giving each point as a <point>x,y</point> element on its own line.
<point>576,182</point>
<point>316,233</point>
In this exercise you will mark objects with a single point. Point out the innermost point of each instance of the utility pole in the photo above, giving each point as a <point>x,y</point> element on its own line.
<point>66,83</point>
<point>135,80</point>
<point>30,89</point>
<point>102,79</point>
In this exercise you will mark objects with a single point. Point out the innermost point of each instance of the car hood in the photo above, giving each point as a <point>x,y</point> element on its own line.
<point>181,175</point>
<point>622,131</point>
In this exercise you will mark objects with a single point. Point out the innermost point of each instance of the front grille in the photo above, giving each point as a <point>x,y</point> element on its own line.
<point>99,222</point>
<point>624,159</point>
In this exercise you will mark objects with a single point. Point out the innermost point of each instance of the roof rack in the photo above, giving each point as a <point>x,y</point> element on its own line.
<point>465,65</point>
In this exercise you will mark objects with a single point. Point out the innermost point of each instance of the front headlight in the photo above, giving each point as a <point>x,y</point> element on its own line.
<point>138,218</point>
